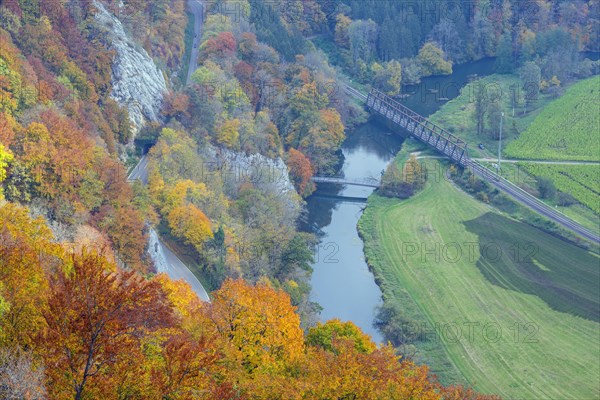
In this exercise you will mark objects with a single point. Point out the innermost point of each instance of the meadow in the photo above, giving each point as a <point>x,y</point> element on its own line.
<point>512,308</point>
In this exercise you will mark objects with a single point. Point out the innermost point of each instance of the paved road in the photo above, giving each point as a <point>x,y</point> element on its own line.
<point>533,202</point>
<point>140,172</point>
<point>197,8</point>
<point>170,264</point>
<point>167,262</point>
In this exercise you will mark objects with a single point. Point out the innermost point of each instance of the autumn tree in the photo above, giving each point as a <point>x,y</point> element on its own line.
<point>323,138</point>
<point>176,105</point>
<point>221,46</point>
<point>5,158</point>
<point>95,317</point>
<point>327,335</point>
<point>190,224</point>
<point>23,242</point>
<point>388,77</point>
<point>355,374</point>
<point>413,173</point>
<point>432,60</point>
<point>21,376</point>
<point>404,182</point>
<point>341,30</point>
<point>301,172</point>
<point>228,134</point>
<point>259,325</point>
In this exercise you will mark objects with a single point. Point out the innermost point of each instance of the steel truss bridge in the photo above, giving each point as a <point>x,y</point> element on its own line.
<point>456,150</point>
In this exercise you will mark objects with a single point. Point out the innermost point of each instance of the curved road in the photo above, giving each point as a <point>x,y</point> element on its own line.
<point>171,264</point>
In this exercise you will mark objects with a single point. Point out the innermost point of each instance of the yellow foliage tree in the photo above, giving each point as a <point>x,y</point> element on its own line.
<point>5,158</point>
<point>25,247</point>
<point>413,173</point>
<point>258,325</point>
<point>228,134</point>
<point>190,224</point>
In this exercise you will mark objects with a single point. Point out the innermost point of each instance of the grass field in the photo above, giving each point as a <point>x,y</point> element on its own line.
<point>525,307</point>
<point>567,129</point>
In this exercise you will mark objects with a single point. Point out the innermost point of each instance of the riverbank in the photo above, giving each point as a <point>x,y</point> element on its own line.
<point>514,320</point>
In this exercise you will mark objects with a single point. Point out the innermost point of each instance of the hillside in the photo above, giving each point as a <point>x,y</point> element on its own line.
<point>84,313</point>
<point>567,129</point>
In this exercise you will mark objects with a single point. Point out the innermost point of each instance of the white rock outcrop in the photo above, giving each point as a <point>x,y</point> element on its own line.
<point>268,175</point>
<point>137,82</point>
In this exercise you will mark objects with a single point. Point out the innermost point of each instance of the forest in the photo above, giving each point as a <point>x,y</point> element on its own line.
<point>84,312</point>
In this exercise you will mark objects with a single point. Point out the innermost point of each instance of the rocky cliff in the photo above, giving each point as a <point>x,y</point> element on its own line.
<point>137,82</point>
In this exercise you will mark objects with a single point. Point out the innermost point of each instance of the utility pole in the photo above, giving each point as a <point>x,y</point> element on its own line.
<point>500,142</point>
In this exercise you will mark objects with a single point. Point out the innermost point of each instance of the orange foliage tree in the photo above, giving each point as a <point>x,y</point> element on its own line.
<point>300,171</point>
<point>95,318</point>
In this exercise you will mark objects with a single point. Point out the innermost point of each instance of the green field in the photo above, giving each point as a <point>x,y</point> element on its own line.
<point>580,181</point>
<point>567,129</point>
<point>527,309</point>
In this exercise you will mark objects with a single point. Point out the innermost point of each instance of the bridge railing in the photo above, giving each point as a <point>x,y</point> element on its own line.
<point>368,182</point>
<point>425,130</point>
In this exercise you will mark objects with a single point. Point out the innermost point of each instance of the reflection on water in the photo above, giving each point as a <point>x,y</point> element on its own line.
<point>341,282</point>
<point>428,96</point>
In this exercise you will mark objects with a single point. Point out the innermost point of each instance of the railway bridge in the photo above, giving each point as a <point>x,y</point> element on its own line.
<point>456,150</point>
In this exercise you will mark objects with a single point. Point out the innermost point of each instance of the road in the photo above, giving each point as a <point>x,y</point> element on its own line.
<point>197,8</point>
<point>171,264</point>
<point>140,172</point>
<point>165,259</point>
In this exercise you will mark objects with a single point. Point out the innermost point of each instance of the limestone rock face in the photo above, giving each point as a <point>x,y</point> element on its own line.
<point>268,175</point>
<point>138,83</point>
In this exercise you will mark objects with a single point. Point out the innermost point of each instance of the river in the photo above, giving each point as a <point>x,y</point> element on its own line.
<point>341,282</point>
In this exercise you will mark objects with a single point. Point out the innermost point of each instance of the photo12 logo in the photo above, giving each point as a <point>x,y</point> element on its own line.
<point>455,252</point>
<point>255,173</point>
<point>473,331</point>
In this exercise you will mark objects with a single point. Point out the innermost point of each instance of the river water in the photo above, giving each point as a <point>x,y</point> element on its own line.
<point>341,282</point>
